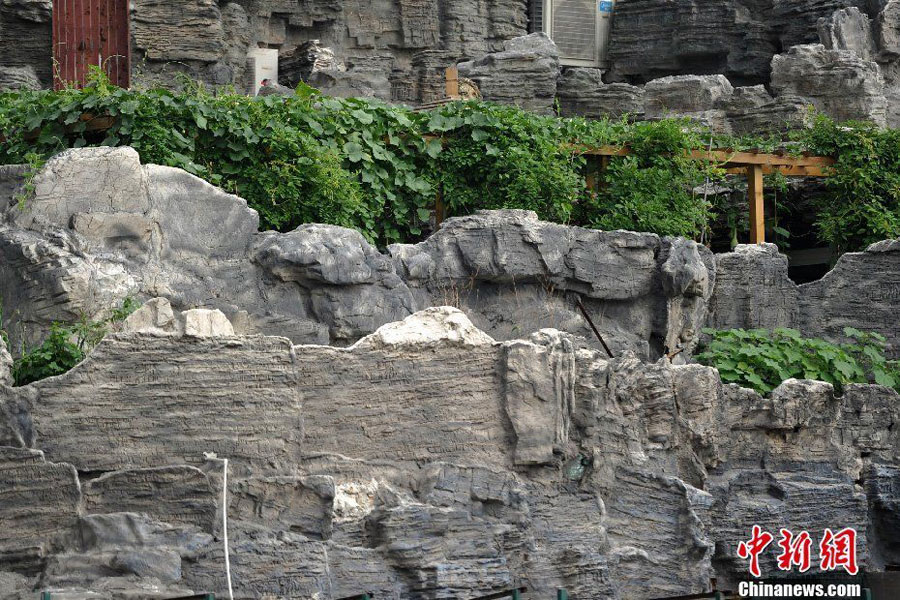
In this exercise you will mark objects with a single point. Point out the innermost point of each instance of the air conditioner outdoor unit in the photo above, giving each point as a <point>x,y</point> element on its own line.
<point>580,29</point>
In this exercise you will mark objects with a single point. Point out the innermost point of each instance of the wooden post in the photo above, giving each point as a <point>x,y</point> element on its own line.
<point>451,75</point>
<point>757,206</point>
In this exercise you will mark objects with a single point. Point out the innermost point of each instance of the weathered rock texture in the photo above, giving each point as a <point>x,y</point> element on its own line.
<point>25,43</point>
<point>656,38</point>
<point>753,291</point>
<point>101,226</point>
<point>426,461</point>
<point>523,73</point>
<point>398,50</point>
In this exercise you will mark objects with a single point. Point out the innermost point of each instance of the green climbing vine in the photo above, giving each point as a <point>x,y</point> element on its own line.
<point>378,168</point>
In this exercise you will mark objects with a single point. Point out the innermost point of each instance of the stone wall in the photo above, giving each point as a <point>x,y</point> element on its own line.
<point>393,49</point>
<point>776,57</point>
<point>102,226</point>
<point>426,461</point>
<point>753,291</point>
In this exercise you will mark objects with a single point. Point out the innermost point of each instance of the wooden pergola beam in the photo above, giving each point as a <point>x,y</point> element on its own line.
<point>752,164</point>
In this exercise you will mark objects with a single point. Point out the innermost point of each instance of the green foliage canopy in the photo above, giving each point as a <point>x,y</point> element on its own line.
<point>368,165</point>
<point>377,168</point>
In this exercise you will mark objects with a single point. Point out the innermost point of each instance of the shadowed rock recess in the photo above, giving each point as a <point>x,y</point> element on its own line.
<point>432,456</point>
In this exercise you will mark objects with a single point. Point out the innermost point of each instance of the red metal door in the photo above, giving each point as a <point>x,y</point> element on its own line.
<point>90,32</point>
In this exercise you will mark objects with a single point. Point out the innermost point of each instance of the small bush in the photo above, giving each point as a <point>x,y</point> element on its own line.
<point>66,346</point>
<point>761,359</point>
<point>862,205</point>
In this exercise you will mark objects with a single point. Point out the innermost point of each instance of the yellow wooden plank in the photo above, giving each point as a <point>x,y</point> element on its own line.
<point>757,204</point>
<point>451,76</point>
<point>784,170</point>
<point>737,160</point>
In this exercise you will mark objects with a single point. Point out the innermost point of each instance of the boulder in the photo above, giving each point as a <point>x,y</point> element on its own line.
<point>155,317</point>
<point>581,92</point>
<point>482,262</point>
<point>202,323</point>
<point>299,64</point>
<point>752,110</point>
<point>18,78</point>
<point>524,73</point>
<point>695,96</point>
<point>848,29</point>
<point>837,82</point>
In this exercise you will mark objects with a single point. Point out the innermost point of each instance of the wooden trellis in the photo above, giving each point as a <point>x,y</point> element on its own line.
<point>752,164</point>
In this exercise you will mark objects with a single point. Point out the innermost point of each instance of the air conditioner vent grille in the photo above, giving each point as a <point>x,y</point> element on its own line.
<point>575,28</point>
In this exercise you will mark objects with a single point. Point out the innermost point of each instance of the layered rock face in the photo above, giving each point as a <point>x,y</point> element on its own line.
<point>753,291</point>
<point>25,44</point>
<point>398,50</point>
<point>524,73</point>
<point>425,461</point>
<point>437,456</point>
<point>850,74</point>
<point>737,38</point>
<point>102,226</point>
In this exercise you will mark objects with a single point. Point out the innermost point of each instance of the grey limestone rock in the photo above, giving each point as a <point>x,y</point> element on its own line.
<point>155,316</point>
<point>480,267</point>
<point>201,322</point>
<point>524,73</point>
<point>681,94</point>
<point>837,82</point>
<point>657,38</point>
<point>860,291</point>
<point>429,461</point>
<point>39,509</point>
<point>753,290</point>
<point>751,110</point>
<point>581,92</point>
<point>739,302</point>
<point>18,78</point>
<point>101,227</point>
<point>886,36</point>
<point>848,29</point>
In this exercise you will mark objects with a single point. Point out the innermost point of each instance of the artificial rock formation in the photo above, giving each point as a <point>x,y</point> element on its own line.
<point>524,73</point>
<point>426,461</point>
<point>398,50</point>
<point>101,226</point>
<point>753,291</point>
<point>837,82</point>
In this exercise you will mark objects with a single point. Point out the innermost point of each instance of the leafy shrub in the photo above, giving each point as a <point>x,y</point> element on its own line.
<point>761,360</point>
<point>364,164</point>
<point>58,353</point>
<point>863,203</point>
<point>66,346</point>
